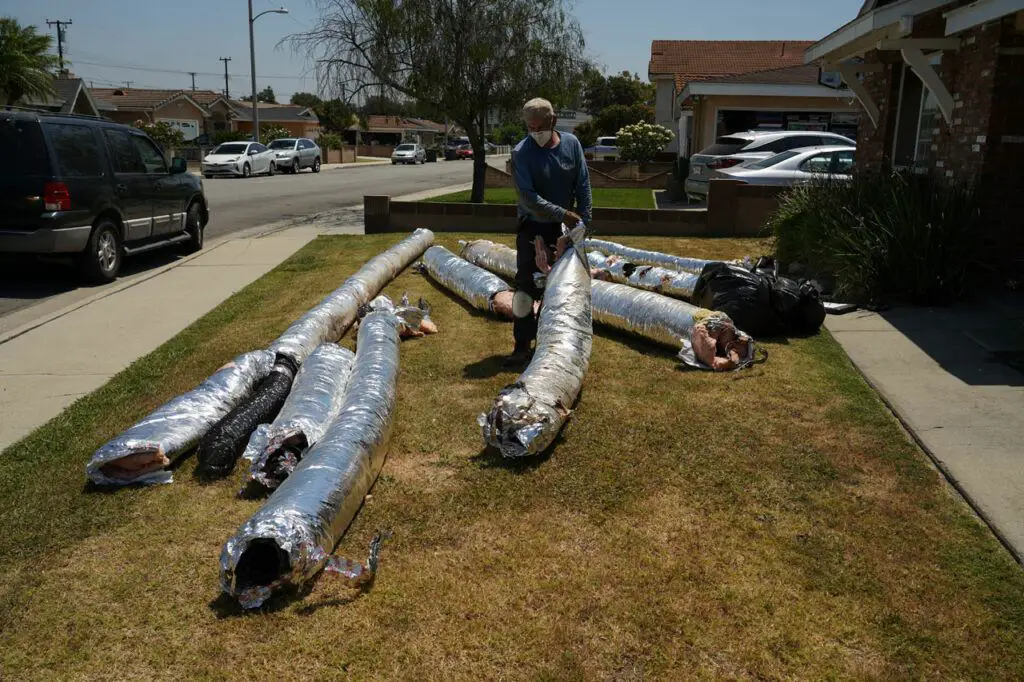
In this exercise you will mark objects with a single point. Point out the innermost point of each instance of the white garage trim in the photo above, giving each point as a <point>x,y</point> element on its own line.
<point>977,13</point>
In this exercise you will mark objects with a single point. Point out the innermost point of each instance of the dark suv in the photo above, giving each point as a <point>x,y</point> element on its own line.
<point>93,188</point>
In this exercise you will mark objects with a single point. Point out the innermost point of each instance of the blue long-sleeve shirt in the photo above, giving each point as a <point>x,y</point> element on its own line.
<point>552,180</point>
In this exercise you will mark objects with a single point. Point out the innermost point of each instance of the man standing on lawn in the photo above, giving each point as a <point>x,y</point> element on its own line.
<point>553,186</point>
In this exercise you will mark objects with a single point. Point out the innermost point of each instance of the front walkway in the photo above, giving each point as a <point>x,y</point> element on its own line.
<point>943,372</point>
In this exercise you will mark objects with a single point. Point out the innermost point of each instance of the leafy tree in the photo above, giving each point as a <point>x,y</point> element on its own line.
<point>509,133</point>
<point>163,133</point>
<point>272,131</point>
<point>612,118</point>
<point>329,141</point>
<point>305,99</point>
<point>222,136</point>
<point>641,142</point>
<point>25,62</point>
<point>623,89</point>
<point>587,133</point>
<point>463,59</point>
<point>335,115</point>
<point>264,95</point>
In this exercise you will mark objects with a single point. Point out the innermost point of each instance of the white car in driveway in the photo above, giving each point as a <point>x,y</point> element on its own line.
<point>795,167</point>
<point>239,160</point>
<point>291,154</point>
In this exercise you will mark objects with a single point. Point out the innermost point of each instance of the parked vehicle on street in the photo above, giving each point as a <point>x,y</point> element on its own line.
<point>606,149</point>
<point>409,153</point>
<point>464,152</point>
<point>239,160</point>
<point>94,190</point>
<point>736,148</point>
<point>795,167</point>
<point>292,154</point>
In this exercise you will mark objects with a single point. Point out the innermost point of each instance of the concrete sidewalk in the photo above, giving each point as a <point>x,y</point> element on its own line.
<point>938,371</point>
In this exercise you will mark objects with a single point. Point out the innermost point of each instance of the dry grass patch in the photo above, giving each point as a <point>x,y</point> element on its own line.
<point>772,523</point>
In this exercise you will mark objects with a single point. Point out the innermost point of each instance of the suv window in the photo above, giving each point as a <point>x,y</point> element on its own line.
<point>819,163</point>
<point>844,162</point>
<point>282,144</point>
<point>152,158</point>
<point>306,144</point>
<point>78,155</point>
<point>790,142</point>
<point>122,152</point>
<point>22,140</point>
<point>724,146</point>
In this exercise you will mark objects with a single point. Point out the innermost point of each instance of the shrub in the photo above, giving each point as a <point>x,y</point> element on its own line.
<point>329,141</point>
<point>640,142</point>
<point>612,118</point>
<point>165,135</point>
<point>586,132</point>
<point>271,131</point>
<point>222,136</point>
<point>882,236</point>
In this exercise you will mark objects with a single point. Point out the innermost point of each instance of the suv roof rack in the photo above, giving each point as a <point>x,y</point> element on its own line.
<point>46,112</point>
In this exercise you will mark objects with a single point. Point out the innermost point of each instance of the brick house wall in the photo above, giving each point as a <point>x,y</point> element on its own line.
<point>984,144</point>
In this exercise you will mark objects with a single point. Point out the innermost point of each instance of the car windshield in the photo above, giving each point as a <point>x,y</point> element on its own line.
<point>282,144</point>
<point>405,148</point>
<point>771,160</point>
<point>231,148</point>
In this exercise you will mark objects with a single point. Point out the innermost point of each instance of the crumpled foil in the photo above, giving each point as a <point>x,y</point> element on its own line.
<point>529,413</point>
<point>491,256</point>
<point>175,427</point>
<point>474,284</point>
<point>317,393</point>
<point>331,318</point>
<point>645,257</point>
<point>288,539</point>
<point>648,277</point>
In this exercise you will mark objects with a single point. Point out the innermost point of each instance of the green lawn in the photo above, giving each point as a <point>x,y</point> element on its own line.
<point>603,198</point>
<point>774,523</point>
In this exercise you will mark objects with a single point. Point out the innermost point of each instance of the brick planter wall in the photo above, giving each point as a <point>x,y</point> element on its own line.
<point>495,177</point>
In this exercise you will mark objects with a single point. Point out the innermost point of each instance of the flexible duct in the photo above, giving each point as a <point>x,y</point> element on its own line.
<point>141,453</point>
<point>331,318</point>
<point>474,284</point>
<point>491,256</point>
<point>528,414</point>
<point>288,540</point>
<point>648,277</point>
<point>645,257</point>
<point>316,396</point>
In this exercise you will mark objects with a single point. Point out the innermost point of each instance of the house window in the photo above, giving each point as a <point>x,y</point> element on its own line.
<point>917,119</point>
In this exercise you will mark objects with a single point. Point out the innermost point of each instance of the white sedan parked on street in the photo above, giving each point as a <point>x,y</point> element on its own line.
<point>239,160</point>
<point>795,167</point>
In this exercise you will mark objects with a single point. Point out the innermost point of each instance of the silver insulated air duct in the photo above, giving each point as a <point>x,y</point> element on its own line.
<point>288,541</point>
<point>528,414</point>
<point>275,449</point>
<point>645,257</point>
<point>491,256</point>
<point>474,284</point>
<point>141,453</point>
<point>648,277</point>
<point>332,317</point>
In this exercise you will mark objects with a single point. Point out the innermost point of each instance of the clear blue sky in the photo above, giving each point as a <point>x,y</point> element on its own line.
<point>190,35</point>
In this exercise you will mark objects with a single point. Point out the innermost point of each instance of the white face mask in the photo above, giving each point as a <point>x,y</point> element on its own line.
<point>541,137</point>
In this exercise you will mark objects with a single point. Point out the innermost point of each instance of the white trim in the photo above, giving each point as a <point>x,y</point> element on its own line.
<point>823,110</point>
<point>760,90</point>
<point>899,111</point>
<point>977,13</point>
<point>857,36</point>
<point>849,74</point>
<point>929,44</point>
<point>926,72</point>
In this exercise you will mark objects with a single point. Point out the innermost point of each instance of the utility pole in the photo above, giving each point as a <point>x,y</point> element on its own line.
<point>193,74</point>
<point>227,91</point>
<point>60,40</point>
<point>127,84</point>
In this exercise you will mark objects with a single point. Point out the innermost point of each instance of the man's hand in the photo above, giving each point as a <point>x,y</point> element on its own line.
<point>571,219</point>
<point>541,255</point>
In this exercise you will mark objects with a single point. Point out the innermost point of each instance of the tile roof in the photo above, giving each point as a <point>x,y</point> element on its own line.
<point>66,95</point>
<point>805,74</point>
<point>400,124</point>
<point>689,60</point>
<point>138,99</point>
<point>274,113</point>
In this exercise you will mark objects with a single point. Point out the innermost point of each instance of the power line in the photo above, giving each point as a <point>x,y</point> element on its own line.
<point>60,39</point>
<point>178,72</point>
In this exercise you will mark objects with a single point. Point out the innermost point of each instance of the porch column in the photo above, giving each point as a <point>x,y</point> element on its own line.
<point>684,139</point>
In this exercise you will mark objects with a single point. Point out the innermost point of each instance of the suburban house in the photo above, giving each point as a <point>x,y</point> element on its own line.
<point>298,120</point>
<point>393,130</point>
<point>941,87</point>
<point>71,97</point>
<point>708,88</point>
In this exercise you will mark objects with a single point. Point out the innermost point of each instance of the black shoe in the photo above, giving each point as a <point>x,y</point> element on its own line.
<point>517,360</point>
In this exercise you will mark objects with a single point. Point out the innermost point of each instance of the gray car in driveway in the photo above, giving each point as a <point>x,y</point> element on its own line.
<point>736,148</point>
<point>795,167</point>
<point>292,154</point>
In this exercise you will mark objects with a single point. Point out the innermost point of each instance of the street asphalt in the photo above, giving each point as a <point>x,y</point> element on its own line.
<point>235,205</point>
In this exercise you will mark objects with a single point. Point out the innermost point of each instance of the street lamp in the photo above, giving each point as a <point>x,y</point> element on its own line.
<point>252,68</point>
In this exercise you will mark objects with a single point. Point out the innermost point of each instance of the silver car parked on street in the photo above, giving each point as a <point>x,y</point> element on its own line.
<point>795,167</point>
<point>408,153</point>
<point>291,154</point>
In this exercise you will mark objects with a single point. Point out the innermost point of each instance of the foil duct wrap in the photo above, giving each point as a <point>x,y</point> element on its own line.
<point>474,284</point>
<point>529,414</point>
<point>141,453</point>
<point>491,256</point>
<point>331,318</point>
<point>275,449</point>
<point>648,277</point>
<point>287,542</point>
<point>645,257</point>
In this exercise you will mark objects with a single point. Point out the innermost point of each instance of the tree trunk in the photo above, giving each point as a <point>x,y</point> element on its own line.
<point>476,140</point>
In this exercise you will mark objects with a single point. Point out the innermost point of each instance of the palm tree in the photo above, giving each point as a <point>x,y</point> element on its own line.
<point>25,62</point>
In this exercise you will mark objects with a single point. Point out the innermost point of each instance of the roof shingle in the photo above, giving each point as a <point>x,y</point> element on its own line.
<point>691,60</point>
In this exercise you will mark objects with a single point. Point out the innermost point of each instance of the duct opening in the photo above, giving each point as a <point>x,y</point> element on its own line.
<point>261,565</point>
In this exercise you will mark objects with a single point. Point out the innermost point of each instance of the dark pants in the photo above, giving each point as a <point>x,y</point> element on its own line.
<point>524,329</point>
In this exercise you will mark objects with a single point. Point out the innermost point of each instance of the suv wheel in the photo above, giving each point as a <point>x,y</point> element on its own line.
<point>295,167</point>
<point>194,228</point>
<point>316,165</point>
<point>246,171</point>
<point>101,260</point>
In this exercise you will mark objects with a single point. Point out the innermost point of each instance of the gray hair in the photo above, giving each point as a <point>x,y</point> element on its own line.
<point>538,108</point>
